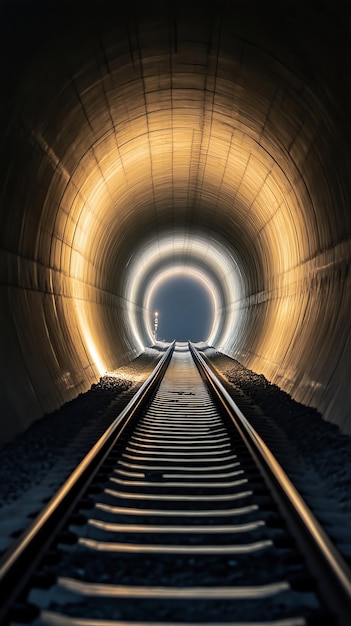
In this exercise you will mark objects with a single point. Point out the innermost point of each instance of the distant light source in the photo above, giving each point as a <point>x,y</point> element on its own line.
<point>155,325</point>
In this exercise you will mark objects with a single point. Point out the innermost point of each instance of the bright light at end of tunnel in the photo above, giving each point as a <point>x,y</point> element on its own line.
<point>198,275</point>
<point>193,254</point>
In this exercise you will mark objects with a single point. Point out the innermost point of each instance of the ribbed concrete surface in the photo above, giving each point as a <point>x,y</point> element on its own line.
<point>127,131</point>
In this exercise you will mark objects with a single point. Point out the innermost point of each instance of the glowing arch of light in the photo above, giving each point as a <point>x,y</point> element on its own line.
<point>205,259</point>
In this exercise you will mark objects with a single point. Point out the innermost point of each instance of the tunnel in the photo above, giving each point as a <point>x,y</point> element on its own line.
<point>147,140</point>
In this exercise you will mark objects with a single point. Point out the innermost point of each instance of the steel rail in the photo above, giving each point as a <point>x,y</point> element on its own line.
<point>330,570</point>
<point>18,563</point>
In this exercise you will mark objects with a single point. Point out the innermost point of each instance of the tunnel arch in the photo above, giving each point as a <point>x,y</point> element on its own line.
<point>225,124</point>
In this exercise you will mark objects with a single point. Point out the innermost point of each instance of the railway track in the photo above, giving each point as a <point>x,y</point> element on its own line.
<point>178,515</point>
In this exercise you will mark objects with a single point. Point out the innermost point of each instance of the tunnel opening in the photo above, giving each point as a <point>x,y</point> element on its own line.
<point>184,308</point>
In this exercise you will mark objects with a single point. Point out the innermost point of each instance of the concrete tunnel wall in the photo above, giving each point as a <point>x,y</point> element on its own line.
<point>227,125</point>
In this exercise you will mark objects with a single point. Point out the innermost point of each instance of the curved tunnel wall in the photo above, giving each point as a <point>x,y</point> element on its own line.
<point>223,124</point>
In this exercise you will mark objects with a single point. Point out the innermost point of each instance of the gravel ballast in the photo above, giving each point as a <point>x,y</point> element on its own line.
<point>37,462</point>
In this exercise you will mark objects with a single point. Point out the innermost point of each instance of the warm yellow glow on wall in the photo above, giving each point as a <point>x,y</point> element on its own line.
<point>90,339</point>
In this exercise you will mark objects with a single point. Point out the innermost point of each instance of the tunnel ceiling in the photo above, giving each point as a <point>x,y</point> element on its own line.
<point>123,130</point>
